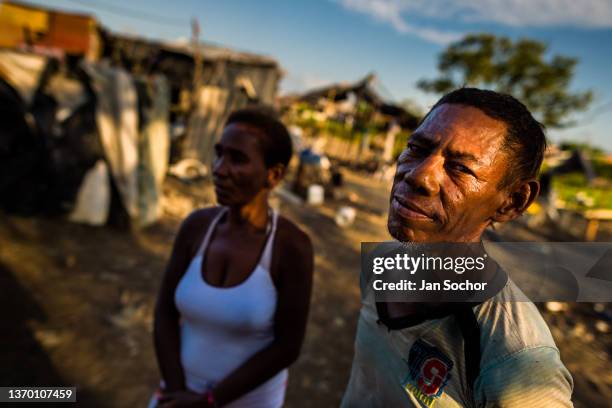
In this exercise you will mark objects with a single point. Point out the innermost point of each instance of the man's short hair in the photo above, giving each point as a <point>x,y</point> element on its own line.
<point>525,139</point>
<point>273,136</point>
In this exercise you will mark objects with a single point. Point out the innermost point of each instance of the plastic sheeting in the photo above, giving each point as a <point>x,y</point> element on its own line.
<point>77,127</point>
<point>93,200</point>
<point>22,72</point>
<point>117,121</point>
<point>69,94</point>
<point>136,143</point>
<point>22,155</point>
<point>154,148</point>
<point>43,157</point>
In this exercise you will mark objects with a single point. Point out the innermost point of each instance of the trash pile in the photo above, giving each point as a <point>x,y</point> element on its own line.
<point>81,138</point>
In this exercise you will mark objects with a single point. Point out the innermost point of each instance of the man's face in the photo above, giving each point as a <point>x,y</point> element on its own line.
<point>446,185</point>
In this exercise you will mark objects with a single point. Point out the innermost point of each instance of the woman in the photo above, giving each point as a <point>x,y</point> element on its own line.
<point>233,304</point>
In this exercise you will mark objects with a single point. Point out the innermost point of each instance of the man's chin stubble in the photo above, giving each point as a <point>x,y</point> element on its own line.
<point>400,233</point>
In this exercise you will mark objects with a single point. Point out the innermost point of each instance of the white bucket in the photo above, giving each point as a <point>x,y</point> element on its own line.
<point>316,194</point>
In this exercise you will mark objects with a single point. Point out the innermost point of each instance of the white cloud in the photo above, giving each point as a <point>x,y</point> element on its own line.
<point>521,13</point>
<point>389,11</point>
<point>516,13</point>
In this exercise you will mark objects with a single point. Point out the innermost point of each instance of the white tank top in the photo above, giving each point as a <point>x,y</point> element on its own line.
<point>222,327</point>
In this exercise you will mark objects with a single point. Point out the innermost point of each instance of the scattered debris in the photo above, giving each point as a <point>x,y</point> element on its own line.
<point>70,261</point>
<point>602,326</point>
<point>345,216</point>
<point>556,307</point>
<point>599,307</point>
<point>48,338</point>
<point>188,170</point>
<point>339,322</point>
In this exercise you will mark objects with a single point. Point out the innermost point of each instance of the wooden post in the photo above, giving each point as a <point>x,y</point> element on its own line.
<point>594,217</point>
<point>394,129</point>
<point>591,230</point>
<point>191,147</point>
<point>197,61</point>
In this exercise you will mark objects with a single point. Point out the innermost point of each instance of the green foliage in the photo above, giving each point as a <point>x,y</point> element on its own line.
<point>577,180</point>
<point>338,129</point>
<point>309,123</point>
<point>603,169</point>
<point>518,68</point>
<point>568,186</point>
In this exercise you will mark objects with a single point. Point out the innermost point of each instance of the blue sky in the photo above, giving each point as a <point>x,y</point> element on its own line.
<point>322,41</point>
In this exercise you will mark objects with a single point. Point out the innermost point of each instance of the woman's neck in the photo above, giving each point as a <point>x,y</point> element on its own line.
<point>253,214</point>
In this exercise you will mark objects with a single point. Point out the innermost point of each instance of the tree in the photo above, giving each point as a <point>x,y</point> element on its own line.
<point>518,68</point>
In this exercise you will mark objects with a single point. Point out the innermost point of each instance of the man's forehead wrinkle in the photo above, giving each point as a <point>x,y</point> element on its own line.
<point>424,138</point>
<point>462,155</point>
<point>499,155</point>
<point>450,146</point>
<point>463,131</point>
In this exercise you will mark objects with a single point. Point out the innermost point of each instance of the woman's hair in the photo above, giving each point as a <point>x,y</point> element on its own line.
<point>273,136</point>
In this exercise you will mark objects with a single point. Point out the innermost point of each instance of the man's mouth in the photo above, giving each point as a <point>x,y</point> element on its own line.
<point>409,210</point>
<point>220,188</point>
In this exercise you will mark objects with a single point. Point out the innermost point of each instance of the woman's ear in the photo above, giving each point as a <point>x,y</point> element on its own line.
<point>275,175</point>
<point>517,201</point>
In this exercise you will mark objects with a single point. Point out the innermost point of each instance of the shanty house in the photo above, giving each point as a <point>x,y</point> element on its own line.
<point>365,118</point>
<point>89,113</point>
<point>228,80</point>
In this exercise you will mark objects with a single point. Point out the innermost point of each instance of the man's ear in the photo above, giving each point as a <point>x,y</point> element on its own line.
<point>517,201</point>
<point>275,175</point>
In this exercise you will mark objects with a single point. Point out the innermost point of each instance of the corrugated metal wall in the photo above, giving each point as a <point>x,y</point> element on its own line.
<point>221,94</point>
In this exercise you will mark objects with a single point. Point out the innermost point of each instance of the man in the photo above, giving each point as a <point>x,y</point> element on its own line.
<point>473,161</point>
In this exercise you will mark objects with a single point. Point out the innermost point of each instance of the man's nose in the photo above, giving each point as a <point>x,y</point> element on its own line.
<point>220,167</point>
<point>424,177</point>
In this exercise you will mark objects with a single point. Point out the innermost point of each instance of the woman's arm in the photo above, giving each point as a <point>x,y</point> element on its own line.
<point>166,333</point>
<point>294,283</point>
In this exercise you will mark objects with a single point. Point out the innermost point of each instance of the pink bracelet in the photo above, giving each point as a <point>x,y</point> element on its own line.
<point>210,399</point>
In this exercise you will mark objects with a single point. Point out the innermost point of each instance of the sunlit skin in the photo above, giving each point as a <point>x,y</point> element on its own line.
<point>242,181</point>
<point>447,184</point>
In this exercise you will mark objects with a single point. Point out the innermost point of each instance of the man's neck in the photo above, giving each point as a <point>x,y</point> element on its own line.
<point>432,310</point>
<point>417,310</point>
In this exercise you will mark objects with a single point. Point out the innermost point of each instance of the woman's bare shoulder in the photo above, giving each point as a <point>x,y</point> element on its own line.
<point>194,225</point>
<point>201,216</point>
<point>292,238</point>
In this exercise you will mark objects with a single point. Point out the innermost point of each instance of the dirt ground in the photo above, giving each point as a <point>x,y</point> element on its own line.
<point>77,301</point>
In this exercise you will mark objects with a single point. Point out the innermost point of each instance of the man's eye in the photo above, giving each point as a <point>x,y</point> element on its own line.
<point>415,150</point>
<point>239,158</point>
<point>461,168</point>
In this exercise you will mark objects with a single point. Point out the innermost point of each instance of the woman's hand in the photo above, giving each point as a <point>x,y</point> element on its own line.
<point>182,399</point>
